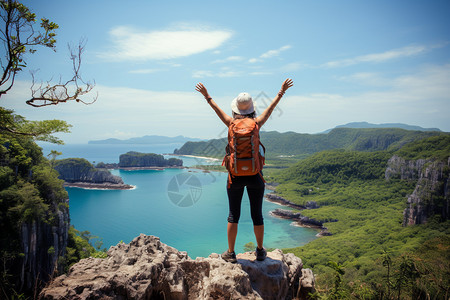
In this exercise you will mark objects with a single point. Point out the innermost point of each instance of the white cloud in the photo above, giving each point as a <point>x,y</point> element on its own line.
<point>144,71</point>
<point>422,98</point>
<point>269,54</point>
<point>223,73</point>
<point>295,66</point>
<point>254,60</point>
<point>137,44</point>
<point>127,112</point>
<point>366,78</point>
<point>260,73</point>
<point>383,56</point>
<point>228,59</point>
<point>119,134</point>
<point>202,73</point>
<point>276,52</point>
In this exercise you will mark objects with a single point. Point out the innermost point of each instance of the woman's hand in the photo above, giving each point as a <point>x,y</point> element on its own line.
<point>201,88</point>
<point>286,84</point>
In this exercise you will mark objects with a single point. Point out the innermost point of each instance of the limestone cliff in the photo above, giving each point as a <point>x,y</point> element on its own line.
<point>149,269</point>
<point>34,217</point>
<point>432,192</point>
<point>42,245</point>
<point>80,170</point>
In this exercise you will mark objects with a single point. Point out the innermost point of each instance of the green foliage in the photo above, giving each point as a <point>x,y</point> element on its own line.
<point>28,205</point>
<point>432,261</point>
<point>76,165</point>
<point>218,168</point>
<point>338,291</point>
<point>250,246</point>
<point>46,179</point>
<point>12,124</point>
<point>101,165</point>
<point>336,166</point>
<point>79,247</point>
<point>43,130</point>
<point>137,159</point>
<point>174,162</point>
<point>30,193</point>
<point>280,146</point>
<point>212,148</point>
<point>349,186</point>
<point>436,147</point>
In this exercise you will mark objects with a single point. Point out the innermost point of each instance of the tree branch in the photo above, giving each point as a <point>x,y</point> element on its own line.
<point>48,94</point>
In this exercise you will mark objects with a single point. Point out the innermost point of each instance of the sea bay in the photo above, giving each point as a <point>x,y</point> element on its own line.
<point>153,207</point>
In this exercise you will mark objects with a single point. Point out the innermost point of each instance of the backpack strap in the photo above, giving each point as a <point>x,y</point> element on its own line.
<point>229,180</point>
<point>262,177</point>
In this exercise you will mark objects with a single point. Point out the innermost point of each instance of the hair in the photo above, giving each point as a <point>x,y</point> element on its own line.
<point>239,116</point>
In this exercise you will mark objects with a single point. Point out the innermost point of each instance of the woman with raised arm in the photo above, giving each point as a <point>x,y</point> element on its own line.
<point>243,109</point>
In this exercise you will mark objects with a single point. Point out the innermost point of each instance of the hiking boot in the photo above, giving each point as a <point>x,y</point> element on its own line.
<point>229,257</point>
<point>261,254</point>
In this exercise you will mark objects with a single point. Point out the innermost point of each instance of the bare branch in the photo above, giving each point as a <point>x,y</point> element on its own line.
<point>53,94</point>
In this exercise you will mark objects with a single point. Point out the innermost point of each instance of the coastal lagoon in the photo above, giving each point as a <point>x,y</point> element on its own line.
<point>186,208</point>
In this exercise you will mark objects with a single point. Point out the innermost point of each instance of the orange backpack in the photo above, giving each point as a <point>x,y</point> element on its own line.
<point>244,151</point>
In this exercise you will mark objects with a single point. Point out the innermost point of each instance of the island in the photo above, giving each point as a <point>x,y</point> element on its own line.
<point>78,172</point>
<point>144,161</point>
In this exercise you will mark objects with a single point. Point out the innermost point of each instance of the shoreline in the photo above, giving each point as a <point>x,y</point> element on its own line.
<point>271,197</point>
<point>150,168</point>
<point>298,219</point>
<point>99,186</point>
<point>196,156</point>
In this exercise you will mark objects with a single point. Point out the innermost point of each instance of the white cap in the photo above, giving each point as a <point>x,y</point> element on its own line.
<point>243,99</point>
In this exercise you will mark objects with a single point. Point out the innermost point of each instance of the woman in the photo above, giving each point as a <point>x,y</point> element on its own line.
<point>242,107</point>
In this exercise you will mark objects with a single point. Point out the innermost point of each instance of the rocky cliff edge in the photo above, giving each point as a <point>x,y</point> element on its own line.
<point>431,195</point>
<point>149,269</point>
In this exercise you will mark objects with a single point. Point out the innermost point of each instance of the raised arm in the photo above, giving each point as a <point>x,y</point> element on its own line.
<point>261,119</point>
<point>226,119</point>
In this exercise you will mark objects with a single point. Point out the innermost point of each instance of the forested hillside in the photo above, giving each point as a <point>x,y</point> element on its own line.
<point>301,145</point>
<point>36,240</point>
<point>372,253</point>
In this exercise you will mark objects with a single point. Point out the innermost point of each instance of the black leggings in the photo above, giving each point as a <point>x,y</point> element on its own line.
<point>255,191</point>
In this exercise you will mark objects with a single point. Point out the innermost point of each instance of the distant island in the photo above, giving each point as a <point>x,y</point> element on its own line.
<point>148,139</point>
<point>136,160</point>
<point>383,125</point>
<point>78,172</point>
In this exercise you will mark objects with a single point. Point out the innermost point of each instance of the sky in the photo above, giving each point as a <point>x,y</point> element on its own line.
<point>351,61</point>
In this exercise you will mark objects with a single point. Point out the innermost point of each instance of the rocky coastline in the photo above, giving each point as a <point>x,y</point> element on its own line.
<point>99,186</point>
<point>280,200</point>
<point>115,166</point>
<point>302,221</point>
<point>80,173</point>
<point>297,218</point>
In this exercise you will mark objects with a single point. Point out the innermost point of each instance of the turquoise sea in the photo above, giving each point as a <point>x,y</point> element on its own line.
<point>186,208</point>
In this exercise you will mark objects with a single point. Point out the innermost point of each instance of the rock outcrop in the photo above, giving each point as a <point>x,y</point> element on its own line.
<point>431,195</point>
<point>280,200</point>
<point>78,172</point>
<point>399,168</point>
<point>149,269</point>
<point>297,217</point>
<point>303,221</point>
<point>432,192</point>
